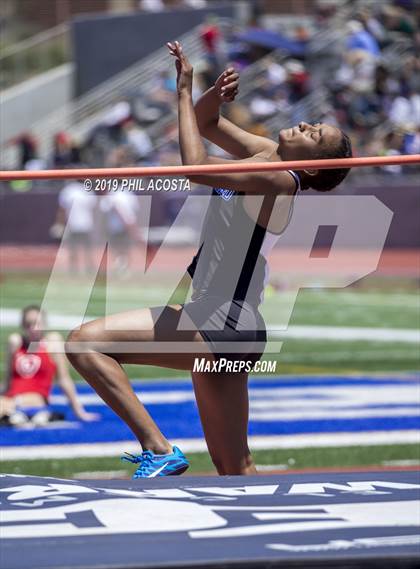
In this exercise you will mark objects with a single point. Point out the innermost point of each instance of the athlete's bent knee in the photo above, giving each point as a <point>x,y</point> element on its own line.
<point>76,341</point>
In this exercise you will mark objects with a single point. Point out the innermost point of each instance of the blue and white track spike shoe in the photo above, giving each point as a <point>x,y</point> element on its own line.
<point>151,465</point>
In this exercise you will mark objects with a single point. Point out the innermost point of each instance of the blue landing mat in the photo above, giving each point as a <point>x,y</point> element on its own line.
<point>307,520</point>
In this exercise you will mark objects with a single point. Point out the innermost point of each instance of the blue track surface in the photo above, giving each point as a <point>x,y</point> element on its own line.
<point>339,404</point>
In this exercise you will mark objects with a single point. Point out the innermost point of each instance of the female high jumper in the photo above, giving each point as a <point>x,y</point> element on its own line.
<point>247,211</point>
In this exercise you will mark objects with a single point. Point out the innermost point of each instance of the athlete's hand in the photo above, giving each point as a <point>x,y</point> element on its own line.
<point>183,67</point>
<point>227,85</point>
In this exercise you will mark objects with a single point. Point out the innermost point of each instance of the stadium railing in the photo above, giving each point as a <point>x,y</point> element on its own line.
<point>35,55</point>
<point>87,111</point>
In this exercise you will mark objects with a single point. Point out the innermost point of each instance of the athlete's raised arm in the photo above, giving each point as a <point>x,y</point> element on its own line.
<point>221,131</point>
<point>193,150</point>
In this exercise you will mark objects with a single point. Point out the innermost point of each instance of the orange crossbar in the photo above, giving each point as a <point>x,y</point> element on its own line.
<point>208,168</point>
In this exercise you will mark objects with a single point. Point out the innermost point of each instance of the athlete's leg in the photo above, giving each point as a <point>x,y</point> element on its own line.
<point>101,366</point>
<point>222,401</point>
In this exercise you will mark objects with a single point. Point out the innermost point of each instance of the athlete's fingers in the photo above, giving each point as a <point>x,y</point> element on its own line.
<point>230,96</point>
<point>171,48</point>
<point>231,93</point>
<point>231,87</point>
<point>176,50</point>
<point>225,74</point>
<point>231,77</point>
<point>183,58</point>
<point>179,48</point>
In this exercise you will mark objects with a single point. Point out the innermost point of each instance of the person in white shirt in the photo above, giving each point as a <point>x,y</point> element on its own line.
<point>75,222</point>
<point>120,211</point>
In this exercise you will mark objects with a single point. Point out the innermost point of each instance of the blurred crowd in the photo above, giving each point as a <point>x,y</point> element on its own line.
<point>372,89</point>
<point>376,89</point>
<point>161,5</point>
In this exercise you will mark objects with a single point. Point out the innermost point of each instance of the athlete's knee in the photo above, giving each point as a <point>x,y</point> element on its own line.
<point>77,341</point>
<point>69,344</point>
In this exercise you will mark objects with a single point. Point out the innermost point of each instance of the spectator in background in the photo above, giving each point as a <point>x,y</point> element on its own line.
<point>298,80</point>
<point>151,5</point>
<point>164,90</point>
<point>210,35</point>
<point>115,119</point>
<point>120,213</point>
<point>396,19</point>
<point>196,4</point>
<point>410,74</point>
<point>262,105</point>
<point>212,40</point>
<point>370,91</point>
<point>27,148</point>
<point>107,134</point>
<point>137,139</point>
<point>405,111</point>
<point>364,111</point>
<point>75,222</point>
<point>302,34</point>
<point>361,39</point>
<point>324,11</point>
<point>65,151</point>
<point>30,374</point>
<point>275,72</point>
<point>412,142</point>
<point>385,84</point>
<point>392,146</point>
<point>357,71</point>
<point>372,25</point>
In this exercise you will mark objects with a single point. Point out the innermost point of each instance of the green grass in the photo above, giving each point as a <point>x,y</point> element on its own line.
<point>372,302</point>
<point>351,306</point>
<point>302,357</point>
<point>334,457</point>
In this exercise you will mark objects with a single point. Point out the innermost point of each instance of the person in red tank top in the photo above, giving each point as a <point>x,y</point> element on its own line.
<point>31,374</point>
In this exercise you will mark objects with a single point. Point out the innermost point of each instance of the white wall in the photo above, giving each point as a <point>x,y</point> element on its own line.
<point>28,102</point>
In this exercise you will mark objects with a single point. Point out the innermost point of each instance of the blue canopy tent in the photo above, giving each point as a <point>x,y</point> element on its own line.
<point>272,40</point>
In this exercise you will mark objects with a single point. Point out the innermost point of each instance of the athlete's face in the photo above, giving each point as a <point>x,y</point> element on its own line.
<point>306,141</point>
<point>31,326</point>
